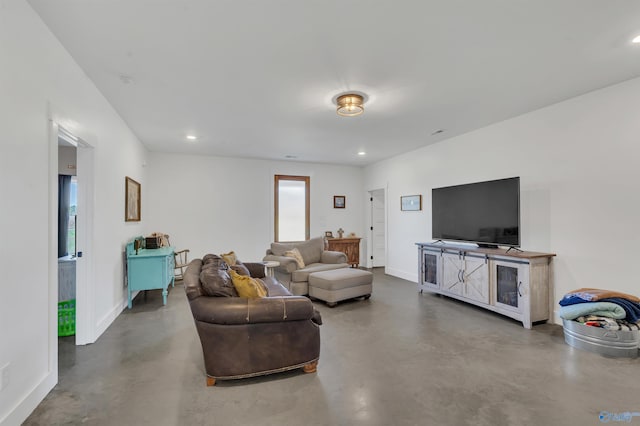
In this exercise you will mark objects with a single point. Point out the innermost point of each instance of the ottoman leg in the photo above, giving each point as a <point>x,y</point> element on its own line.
<point>332,304</point>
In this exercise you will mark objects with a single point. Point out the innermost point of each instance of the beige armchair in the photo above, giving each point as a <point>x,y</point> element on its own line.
<point>315,258</point>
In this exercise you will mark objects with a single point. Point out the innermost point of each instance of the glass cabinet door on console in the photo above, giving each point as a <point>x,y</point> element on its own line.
<point>429,275</point>
<point>511,285</point>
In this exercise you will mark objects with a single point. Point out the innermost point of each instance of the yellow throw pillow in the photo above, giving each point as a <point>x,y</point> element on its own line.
<point>295,253</point>
<point>230,258</point>
<point>247,286</point>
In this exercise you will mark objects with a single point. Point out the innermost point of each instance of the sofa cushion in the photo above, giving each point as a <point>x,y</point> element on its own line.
<point>274,288</point>
<point>248,287</point>
<point>216,282</point>
<point>295,254</point>
<point>302,275</point>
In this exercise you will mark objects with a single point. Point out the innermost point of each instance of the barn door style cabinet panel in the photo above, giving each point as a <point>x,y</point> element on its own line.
<point>510,282</point>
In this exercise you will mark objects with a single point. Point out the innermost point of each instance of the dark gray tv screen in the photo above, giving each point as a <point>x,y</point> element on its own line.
<point>486,213</point>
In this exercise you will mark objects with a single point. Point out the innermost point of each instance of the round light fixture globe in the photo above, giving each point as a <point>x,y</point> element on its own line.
<point>350,105</point>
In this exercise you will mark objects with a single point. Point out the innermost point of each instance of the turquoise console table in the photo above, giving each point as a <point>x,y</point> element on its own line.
<point>150,269</point>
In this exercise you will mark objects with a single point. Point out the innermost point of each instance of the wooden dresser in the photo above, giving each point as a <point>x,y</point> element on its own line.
<point>349,246</point>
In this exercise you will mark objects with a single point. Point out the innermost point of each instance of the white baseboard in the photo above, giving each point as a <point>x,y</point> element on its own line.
<point>413,277</point>
<point>29,403</point>
<point>111,316</point>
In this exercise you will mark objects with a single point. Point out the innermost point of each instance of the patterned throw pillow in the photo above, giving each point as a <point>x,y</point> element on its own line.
<point>246,286</point>
<point>294,253</point>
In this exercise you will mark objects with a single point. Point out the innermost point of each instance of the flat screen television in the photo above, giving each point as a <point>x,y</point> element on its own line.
<point>486,213</point>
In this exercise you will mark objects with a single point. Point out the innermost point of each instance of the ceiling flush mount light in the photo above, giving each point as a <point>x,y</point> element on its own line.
<point>636,40</point>
<point>192,137</point>
<point>350,105</point>
<point>362,153</point>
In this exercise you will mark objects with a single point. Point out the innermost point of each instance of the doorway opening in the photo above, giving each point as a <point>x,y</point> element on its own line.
<point>72,179</point>
<point>67,242</point>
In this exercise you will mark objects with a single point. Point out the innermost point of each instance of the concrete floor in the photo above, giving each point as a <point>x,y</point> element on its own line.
<point>400,358</point>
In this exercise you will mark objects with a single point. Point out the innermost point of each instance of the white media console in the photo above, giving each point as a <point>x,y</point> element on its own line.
<point>511,282</point>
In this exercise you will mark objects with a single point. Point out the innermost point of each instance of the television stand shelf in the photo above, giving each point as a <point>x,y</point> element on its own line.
<point>510,282</point>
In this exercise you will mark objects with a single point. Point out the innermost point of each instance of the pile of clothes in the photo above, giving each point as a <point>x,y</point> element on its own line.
<point>601,308</point>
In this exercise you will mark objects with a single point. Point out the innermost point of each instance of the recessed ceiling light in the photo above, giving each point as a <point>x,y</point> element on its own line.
<point>362,153</point>
<point>636,40</point>
<point>437,132</point>
<point>290,156</point>
<point>192,137</point>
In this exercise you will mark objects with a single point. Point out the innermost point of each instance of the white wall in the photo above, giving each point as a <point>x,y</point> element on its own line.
<point>39,79</point>
<point>217,204</point>
<point>580,186</point>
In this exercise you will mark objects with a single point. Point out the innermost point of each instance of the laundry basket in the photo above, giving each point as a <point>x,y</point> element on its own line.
<point>67,318</point>
<point>613,343</point>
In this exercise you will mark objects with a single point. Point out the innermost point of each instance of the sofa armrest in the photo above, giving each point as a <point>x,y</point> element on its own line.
<point>240,310</point>
<point>256,269</point>
<point>329,256</point>
<point>287,264</point>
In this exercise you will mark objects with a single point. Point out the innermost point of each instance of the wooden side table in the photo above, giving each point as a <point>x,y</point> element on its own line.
<point>349,246</point>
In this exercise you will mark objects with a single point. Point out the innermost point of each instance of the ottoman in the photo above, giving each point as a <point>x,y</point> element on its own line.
<point>340,284</point>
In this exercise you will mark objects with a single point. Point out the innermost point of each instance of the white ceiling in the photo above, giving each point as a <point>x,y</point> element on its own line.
<point>257,78</point>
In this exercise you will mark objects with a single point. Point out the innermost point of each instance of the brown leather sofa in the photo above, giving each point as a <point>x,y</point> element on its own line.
<point>249,337</point>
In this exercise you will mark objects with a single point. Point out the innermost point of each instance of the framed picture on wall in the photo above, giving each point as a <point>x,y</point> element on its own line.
<point>411,202</point>
<point>131,200</point>
<point>339,201</point>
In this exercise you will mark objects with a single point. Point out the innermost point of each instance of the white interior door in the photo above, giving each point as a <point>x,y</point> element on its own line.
<point>378,228</point>
<point>85,321</point>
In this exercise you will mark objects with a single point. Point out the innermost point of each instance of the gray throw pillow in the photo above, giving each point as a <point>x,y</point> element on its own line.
<point>217,282</point>
<point>215,261</point>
